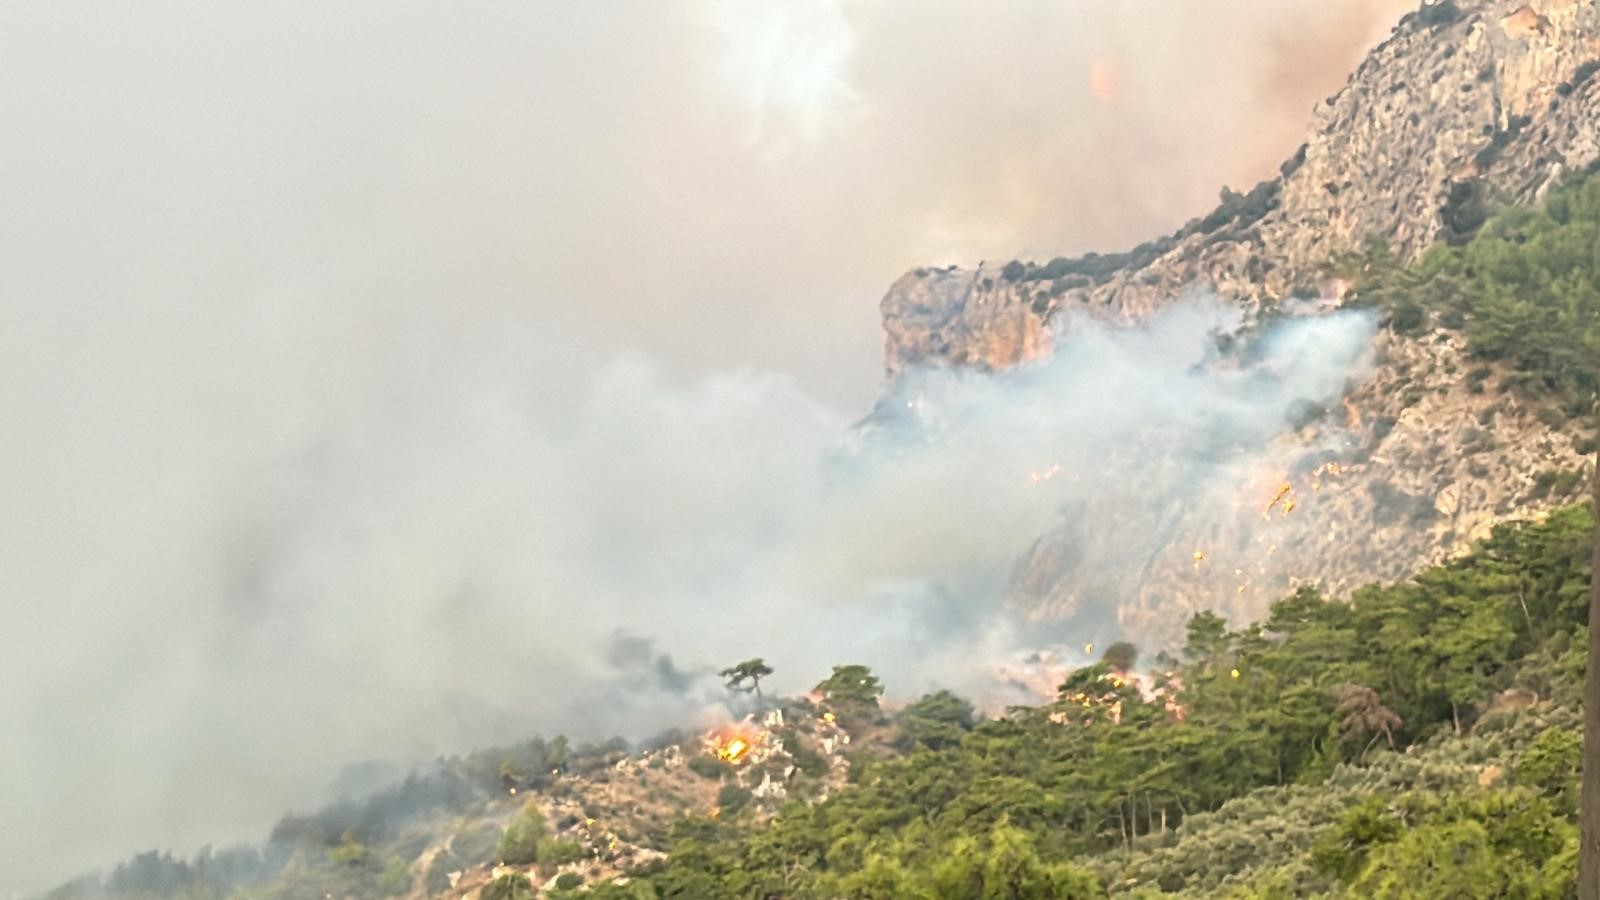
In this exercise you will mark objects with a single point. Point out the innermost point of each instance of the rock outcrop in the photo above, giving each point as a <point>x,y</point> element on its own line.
<point>1464,104</point>
<point>1467,105</point>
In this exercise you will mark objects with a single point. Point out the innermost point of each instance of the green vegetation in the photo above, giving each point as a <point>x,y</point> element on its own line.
<point>509,886</point>
<point>1337,748</point>
<point>937,721</point>
<point>1524,289</point>
<point>751,670</point>
<point>853,692</point>
<point>1414,740</point>
<point>522,840</point>
<point>1234,213</point>
<point>552,852</point>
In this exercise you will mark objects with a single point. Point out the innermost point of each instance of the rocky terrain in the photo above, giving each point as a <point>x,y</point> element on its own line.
<point>616,810</point>
<point>1468,105</point>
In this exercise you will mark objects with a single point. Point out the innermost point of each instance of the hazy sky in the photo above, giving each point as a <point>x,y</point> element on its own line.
<point>257,259</point>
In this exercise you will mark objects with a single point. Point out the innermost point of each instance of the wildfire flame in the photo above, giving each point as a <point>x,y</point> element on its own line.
<point>734,743</point>
<point>1352,416</point>
<point>733,750</point>
<point>1284,490</point>
<point>1046,475</point>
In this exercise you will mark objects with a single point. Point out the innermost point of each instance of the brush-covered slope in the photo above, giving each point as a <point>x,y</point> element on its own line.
<point>1417,740</point>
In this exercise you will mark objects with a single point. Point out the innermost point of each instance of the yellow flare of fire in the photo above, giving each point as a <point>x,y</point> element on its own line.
<point>1088,649</point>
<point>1234,673</point>
<point>733,750</point>
<point>1352,416</point>
<point>1283,491</point>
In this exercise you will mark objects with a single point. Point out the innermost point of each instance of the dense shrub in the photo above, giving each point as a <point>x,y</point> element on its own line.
<point>519,845</point>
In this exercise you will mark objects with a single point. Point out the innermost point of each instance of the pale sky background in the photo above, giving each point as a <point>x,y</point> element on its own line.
<point>259,259</point>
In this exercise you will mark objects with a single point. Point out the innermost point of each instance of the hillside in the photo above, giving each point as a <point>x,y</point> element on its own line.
<point>1354,669</point>
<point>1413,739</point>
<point>1468,106</point>
<point>1333,749</point>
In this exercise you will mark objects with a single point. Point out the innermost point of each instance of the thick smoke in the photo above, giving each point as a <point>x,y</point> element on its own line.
<point>389,579</point>
<point>359,362</point>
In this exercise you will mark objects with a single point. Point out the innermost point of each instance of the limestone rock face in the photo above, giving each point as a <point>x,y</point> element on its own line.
<point>963,317</point>
<point>1413,469</point>
<point>1465,102</point>
<point>1466,105</point>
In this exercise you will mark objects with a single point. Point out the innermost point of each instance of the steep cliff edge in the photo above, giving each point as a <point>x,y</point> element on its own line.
<point>1463,105</point>
<point>1468,105</point>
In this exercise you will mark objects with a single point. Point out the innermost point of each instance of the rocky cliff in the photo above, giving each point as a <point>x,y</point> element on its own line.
<point>1467,105</point>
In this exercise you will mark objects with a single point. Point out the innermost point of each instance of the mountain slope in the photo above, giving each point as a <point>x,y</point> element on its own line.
<point>1467,106</point>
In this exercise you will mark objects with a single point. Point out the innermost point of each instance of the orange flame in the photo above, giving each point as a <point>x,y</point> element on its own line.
<point>734,743</point>
<point>1352,416</point>
<point>1283,491</point>
<point>733,750</point>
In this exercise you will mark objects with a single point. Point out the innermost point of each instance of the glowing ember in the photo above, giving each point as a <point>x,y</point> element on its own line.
<point>1283,491</point>
<point>1352,416</point>
<point>734,750</point>
<point>1046,475</point>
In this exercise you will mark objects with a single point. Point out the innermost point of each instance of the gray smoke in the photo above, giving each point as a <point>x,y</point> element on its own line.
<point>366,368</point>
<point>395,578</point>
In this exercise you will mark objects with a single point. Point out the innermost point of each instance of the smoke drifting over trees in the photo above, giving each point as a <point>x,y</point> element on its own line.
<point>453,570</point>
<point>372,374</point>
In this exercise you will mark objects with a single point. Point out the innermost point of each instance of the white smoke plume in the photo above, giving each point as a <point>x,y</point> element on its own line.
<point>360,362</point>
<point>397,575</point>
